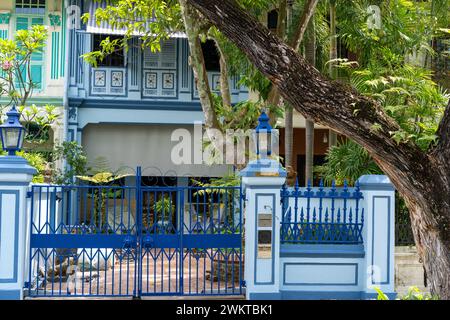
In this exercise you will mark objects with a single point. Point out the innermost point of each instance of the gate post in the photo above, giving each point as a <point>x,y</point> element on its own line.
<point>15,177</point>
<point>262,180</point>
<point>378,234</point>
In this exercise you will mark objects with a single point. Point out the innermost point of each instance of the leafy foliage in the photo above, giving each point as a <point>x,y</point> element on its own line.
<point>17,84</point>
<point>41,118</point>
<point>408,95</point>
<point>75,159</point>
<point>346,161</point>
<point>413,294</point>
<point>36,160</point>
<point>15,62</point>
<point>134,17</point>
<point>405,89</point>
<point>165,207</point>
<point>102,177</point>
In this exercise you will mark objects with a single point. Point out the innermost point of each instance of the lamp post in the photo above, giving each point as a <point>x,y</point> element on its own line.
<point>263,137</point>
<point>12,132</point>
<point>262,180</point>
<point>15,177</point>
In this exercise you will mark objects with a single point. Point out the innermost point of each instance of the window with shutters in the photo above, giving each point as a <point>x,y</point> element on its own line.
<point>159,78</point>
<point>30,6</point>
<point>114,59</point>
<point>166,58</point>
<point>37,58</point>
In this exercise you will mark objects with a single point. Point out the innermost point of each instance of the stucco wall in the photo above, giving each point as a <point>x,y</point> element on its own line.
<point>149,146</point>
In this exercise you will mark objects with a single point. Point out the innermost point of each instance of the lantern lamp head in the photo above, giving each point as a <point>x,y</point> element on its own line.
<point>263,139</point>
<point>12,132</point>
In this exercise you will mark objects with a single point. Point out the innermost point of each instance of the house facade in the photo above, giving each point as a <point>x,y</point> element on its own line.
<point>126,108</point>
<point>131,103</point>
<point>48,69</point>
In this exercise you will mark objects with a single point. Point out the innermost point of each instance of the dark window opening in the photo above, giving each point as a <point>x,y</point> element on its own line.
<point>211,56</point>
<point>30,3</point>
<point>272,20</point>
<point>115,59</point>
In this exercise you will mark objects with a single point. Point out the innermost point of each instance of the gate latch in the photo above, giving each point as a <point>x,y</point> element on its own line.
<point>147,242</point>
<point>128,242</point>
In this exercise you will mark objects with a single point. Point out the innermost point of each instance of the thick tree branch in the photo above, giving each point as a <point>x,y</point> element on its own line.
<point>418,176</point>
<point>329,103</point>
<point>442,149</point>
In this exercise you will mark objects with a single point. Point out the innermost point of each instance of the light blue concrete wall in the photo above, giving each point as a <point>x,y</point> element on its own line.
<point>321,271</point>
<point>15,176</point>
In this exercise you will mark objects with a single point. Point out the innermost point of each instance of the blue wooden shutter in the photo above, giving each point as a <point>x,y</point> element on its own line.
<point>168,56</point>
<point>164,59</point>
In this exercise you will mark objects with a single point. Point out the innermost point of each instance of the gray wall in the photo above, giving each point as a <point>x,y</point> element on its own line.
<point>148,146</point>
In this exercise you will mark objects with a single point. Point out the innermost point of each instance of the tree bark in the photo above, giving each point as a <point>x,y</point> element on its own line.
<point>310,55</point>
<point>420,177</point>
<point>309,151</point>
<point>332,137</point>
<point>197,62</point>
<point>289,141</point>
<point>224,84</point>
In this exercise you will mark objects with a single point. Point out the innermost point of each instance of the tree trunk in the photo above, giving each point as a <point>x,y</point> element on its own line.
<point>197,62</point>
<point>423,179</point>
<point>309,151</point>
<point>288,140</point>
<point>332,139</point>
<point>224,84</point>
<point>289,123</point>
<point>310,55</point>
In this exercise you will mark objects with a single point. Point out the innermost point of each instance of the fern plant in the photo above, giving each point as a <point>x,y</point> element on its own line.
<point>346,161</point>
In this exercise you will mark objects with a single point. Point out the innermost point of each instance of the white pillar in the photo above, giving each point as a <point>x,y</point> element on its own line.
<point>379,232</point>
<point>262,181</point>
<point>15,177</point>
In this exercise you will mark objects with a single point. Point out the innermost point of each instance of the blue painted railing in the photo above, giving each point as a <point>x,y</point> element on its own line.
<point>321,215</point>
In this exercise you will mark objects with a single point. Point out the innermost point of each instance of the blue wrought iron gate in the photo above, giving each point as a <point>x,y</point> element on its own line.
<point>135,240</point>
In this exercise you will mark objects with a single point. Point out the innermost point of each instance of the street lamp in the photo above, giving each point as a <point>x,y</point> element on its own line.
<point>12,132</point>
<point>263,137</point>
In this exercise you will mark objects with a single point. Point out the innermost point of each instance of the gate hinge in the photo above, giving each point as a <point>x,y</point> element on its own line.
<point>243,284</point>
<point>243,197</point>
<point>29,194</point>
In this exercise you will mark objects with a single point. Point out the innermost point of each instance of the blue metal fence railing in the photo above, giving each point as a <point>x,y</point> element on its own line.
<point>321,215</point>
<point>135,240</point>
